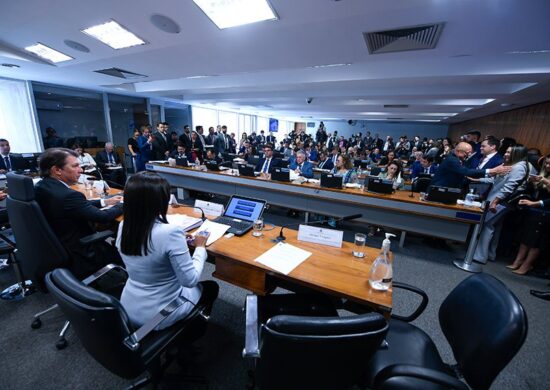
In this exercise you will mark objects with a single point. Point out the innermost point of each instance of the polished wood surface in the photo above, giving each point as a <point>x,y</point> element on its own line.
<point>399,196</point>
<point>528,125</point>
<point>334,271</point>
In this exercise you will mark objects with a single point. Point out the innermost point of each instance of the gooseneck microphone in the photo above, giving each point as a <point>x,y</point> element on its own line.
<point>192,207</point>
<point>281,237</point>
<point>412,187</point>
<point>105,192</point>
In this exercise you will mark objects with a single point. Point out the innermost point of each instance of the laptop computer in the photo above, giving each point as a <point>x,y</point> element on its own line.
<point>375,171</point>
<point>331,181</point>
<point>280,174</point>
<point>245,170</point>
<point>444,195</point>
<point>241,213</point>
<point>378,185</point>
<point>212,165</point>
<point>182,162</point>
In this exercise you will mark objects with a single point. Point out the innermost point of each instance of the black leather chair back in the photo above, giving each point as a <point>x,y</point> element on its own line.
<point>485,325</point>
<point>100,322</point>
<point>38,249</point>
<point>317,352</point>
<point>421,184</point>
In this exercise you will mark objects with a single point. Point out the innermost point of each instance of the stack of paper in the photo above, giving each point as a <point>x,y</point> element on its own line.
<point>215,229</point>
<point>186,222</point>
<point>283,257</point>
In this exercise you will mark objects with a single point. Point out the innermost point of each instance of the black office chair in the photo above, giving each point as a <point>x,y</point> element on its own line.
<point>104,329</point>
<point>305,352</point>
<point>38,249</point>
<point>485,325</point>
<point>421,184</point>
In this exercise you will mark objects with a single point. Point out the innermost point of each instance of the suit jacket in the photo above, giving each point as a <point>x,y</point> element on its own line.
<point>493,162</point>
<point>160,145</point>
<point>16,162</point>
<point>417,169</point>
<point>307,168</point>
<point>451,173</point>
<point>271,139</point>
<point>211,139</point>
<point>101,158</point>
<point>273,163</point>
<point>503,186</point>
<point>71,217</point>
<point>327,164</point>
<point>186,140</point>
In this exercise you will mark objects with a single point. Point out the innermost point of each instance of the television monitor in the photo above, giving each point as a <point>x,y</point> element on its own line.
<point>273,125</point>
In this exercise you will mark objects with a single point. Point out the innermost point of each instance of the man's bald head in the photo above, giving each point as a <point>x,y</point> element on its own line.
<point>463,150</point>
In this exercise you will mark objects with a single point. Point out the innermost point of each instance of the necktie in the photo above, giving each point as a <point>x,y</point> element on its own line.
<point>426,170</point>
<point>111,160</point>
<point>8,163</point>
<point>266,165</point>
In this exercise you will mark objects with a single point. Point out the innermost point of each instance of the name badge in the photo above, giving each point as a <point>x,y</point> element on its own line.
<point>209,208</point>
<point>322,236</point>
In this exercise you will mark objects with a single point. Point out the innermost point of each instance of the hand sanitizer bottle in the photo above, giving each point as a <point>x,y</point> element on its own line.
<point>381,273</point>
<point>469,199</point>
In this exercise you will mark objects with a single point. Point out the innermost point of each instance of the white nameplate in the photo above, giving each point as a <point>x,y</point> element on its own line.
<point>321,236</point>
<point>210,208</point>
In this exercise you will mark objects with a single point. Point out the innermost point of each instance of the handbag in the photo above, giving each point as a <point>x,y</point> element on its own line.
<point>518,194</point>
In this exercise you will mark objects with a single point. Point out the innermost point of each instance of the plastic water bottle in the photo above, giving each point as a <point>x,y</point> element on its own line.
<point>469,199</point>
<point>381,273</point>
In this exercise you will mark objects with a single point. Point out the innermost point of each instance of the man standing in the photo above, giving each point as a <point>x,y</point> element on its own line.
<point>225,140</point>
<point>185,138</point>
<point>488,157</point>
<point>452,171</point>
<point>162,143</point>
<point>270,139</point>
<point>68,212</point>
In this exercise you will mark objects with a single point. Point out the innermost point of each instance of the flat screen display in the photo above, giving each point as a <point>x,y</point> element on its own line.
<point>245,209</point>
<point>273,125</point>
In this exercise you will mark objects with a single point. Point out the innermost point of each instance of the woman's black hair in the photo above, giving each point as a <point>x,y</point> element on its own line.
<point>146,197</point>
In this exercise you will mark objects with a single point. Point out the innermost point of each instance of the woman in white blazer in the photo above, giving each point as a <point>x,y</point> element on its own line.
<point>159,264</point>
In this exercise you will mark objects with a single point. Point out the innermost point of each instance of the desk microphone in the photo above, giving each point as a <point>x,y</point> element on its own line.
<point>412,187</point>
<point>281,237</point>
<point>193,207</point>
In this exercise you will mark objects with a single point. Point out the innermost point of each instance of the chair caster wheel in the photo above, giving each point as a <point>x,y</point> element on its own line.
<point>61,343</point>
<point>36,323</point>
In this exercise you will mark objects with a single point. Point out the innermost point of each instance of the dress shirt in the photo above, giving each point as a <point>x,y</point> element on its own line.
<point>485,160</point>
<point>266,165</point>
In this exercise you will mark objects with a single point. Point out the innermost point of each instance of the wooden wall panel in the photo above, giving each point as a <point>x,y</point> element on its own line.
<point>528,125</point>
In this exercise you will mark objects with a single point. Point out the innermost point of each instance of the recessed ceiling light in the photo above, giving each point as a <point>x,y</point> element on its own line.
<point>198,77</point>
<point>328,66</point>
<point>529,51</point>
<point>114,35</point>
<point>48,53</point>
<point>232,13</point>
<point>11,65</point>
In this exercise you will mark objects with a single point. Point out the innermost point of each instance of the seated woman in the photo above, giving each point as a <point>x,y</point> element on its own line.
<point>159,264</point>
<point>344,168</point>
<point>87,162</point>
<point>386,160</point>
<point>393,173</point>
<point>535,226</point>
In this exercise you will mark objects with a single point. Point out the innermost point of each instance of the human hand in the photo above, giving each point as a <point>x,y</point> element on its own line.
<point>528,203</point>
<point>167,153</point>
<point>500,170</point>
<point>493,206</point>
<point>535,178</point>
<point>201,238</point>
<point>113,200</point>
<point>3,195</point>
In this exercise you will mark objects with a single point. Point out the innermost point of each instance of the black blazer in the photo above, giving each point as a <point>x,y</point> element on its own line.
<point>101,158</point>
<point>274,163</point>
<point>71,215</point>
<point>160,146</point>
<point>451,173</point>
<point>16,161</point>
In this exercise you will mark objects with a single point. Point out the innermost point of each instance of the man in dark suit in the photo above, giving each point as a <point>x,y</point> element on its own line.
<point>181,152</point>
<point>451,172</point>
<point>211,137</point>
<point>225,140</point>
<point>260,139</point>
<point>270,139</point>
<point>268,162</point>
<point>324,162</point>
<point>162,142</point>
<point>68,212</point>
<point>301,166</point>
<point>487,157</point>
<point>425,166</point>
<point>109,163</point>
<point>8,161</point>
<point>185,138</point>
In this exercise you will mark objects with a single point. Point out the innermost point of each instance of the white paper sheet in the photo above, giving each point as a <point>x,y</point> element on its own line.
<point>283,257</point>
<point>216,230</point>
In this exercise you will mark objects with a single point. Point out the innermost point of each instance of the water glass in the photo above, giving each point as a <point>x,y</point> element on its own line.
<point>359,247</point>
<point>258,227</point>
<point>87,185</point>
<point>423,196</point>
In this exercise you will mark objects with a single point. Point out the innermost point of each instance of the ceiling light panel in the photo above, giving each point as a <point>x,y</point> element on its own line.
<point>114,35</point>
<point>48,53</point>
<point>232,13</point>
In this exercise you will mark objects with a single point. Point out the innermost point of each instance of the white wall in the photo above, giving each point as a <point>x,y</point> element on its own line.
<point>394,129</point>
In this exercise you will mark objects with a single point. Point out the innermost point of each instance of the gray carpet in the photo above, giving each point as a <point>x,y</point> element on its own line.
<point>31,361</point>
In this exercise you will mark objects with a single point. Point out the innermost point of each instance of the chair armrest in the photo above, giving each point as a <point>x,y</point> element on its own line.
<point>96,237</point>
<point>418,372</point>
<point>132,341</point>
<point>251,341</point>
<point>99,273</point>
<point>420,309</point>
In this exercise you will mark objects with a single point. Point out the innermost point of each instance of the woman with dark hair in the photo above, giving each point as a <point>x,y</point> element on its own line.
<point>159,264</point>
<point>393,173</point>
<point>503,187</point>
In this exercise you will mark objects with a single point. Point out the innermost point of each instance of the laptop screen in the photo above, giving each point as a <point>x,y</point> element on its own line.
<point>244,208</point>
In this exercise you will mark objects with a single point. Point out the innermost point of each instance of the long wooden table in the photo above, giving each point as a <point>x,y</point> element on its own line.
<point>397,211</point>
<point>330,270</point>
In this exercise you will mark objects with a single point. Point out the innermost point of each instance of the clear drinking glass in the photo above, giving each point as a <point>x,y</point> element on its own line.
<point>359,248</point>
<point>258,227</point>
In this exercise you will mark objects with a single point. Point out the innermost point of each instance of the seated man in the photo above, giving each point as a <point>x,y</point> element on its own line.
<point>8,161</point>
<point>301,166</point>
<point>68,212</point>
<point>211,156</point>
<point>109,163</point>
<point>324,161</point>
<point>268,162</point>
<point>181,152</point>
<point>426,166</point>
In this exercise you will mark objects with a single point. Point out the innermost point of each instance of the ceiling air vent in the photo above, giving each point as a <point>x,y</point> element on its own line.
<point>123,74</point>
<point>396,106</point>
<point>403,39</point>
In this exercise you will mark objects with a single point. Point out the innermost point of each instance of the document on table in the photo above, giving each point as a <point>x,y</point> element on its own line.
<point>215,229</point>
<point>186,222</point>
<point>283,257</point>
